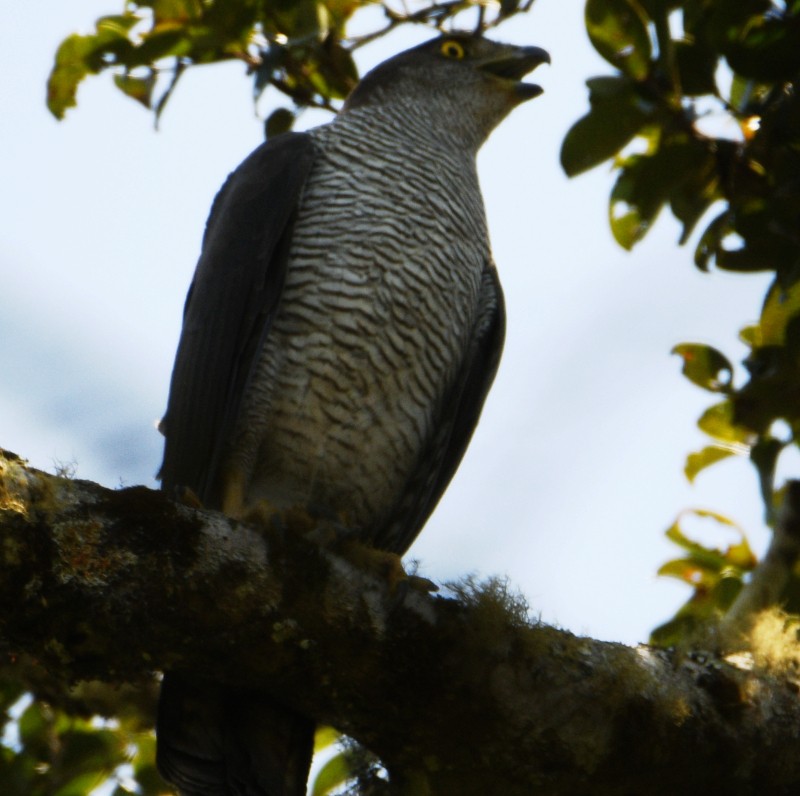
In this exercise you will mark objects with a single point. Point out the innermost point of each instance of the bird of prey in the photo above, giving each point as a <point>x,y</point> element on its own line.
<point>341,333</point>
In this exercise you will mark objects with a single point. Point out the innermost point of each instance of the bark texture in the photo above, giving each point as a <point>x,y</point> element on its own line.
<point>456,694</point>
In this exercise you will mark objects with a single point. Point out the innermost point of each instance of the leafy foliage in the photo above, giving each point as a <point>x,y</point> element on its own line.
<point>700,115</point>
<point>298,47</point>
<point>703,117</point>
<point>48,751</point>
<point>716,576</point>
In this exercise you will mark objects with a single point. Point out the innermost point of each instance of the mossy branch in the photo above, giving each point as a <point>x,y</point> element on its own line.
<point>457,694</point>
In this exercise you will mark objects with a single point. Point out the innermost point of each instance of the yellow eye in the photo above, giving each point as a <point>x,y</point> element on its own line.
<point>452,49</point>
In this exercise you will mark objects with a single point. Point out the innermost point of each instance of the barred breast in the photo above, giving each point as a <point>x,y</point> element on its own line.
<point>380,300</point>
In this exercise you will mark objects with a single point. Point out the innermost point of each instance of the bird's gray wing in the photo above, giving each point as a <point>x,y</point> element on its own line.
<point>458,417</point>
<point>229,309</point>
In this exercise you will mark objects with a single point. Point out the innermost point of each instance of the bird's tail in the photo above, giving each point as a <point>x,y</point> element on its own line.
<point>214,741</point>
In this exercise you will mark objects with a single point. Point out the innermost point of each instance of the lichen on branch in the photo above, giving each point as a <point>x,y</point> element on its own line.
<point>460,692</point>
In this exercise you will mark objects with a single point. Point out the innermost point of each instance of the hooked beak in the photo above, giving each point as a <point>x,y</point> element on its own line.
<point>513,65</point>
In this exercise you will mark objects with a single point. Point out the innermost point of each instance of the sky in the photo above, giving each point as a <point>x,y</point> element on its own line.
<point>576,469</point>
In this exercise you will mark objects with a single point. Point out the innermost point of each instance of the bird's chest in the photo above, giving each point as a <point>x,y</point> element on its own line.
<point>380,299</point>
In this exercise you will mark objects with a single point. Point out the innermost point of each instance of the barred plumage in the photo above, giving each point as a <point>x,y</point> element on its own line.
<point>373,325</point>
<point>340,336</point>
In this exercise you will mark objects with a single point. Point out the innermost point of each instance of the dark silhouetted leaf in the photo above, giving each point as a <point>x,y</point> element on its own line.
<point>278,122</point>
<point>616,116</point>
<point>162,44</point>
<point>765,49</point>
<point>691,197</point>
<point>711,240</point>
<point>646,182</point>
<point>697,66</point>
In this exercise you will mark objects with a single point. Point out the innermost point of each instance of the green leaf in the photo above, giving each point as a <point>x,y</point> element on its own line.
<point>89,748</point>
<point>333,774</point>
<point>34,726</point>
<point>674,632</point>
<point>79,56</point>
<point>82,784</point>
<point>618,31</point>
<point>324,737</point>
<point>704,606</point>
<point>781,306</point>
<point>711,454</point>
<point>750,335</point>
<point>627,226</point>
<point>616,116</point>
<point>690,571</point>
<point>137,88</point>
<point>336,74</point>
<point>705,366</point>
<point>69,69</point>
<point>710,558</point>
<point>746,94</point>
<point>144,766</point>
<point>118,25</point>
<point>176,11</point>
<point>738,555</point>
<point>717,421</point>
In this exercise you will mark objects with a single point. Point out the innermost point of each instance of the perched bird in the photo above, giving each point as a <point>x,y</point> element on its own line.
<point>340,335</point>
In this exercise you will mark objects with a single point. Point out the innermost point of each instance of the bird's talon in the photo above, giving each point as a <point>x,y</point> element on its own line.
<point>188,497</point>
<point>420,584</point>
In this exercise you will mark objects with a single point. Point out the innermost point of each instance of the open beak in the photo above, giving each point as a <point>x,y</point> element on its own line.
<point>514,65</point>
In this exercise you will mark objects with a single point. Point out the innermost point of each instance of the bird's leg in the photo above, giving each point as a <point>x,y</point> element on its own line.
<point>235,504</point>
<point>188,497</point>
<point>331,530</point>
<point>263,513</point>
<point>233,493</point>
<point>387,567</point>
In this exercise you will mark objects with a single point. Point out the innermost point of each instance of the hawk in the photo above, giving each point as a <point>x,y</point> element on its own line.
<point>340,335</point>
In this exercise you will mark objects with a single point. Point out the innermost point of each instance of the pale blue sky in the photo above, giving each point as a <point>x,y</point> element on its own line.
<point>576,468</point>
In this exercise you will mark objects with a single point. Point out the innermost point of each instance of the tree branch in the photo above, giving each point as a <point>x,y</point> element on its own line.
<point>454,695</point>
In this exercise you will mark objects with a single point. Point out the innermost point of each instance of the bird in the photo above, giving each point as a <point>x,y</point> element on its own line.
<point>340,335</point>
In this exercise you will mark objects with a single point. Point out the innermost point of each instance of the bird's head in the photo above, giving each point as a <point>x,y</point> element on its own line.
<point>459,82</point>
